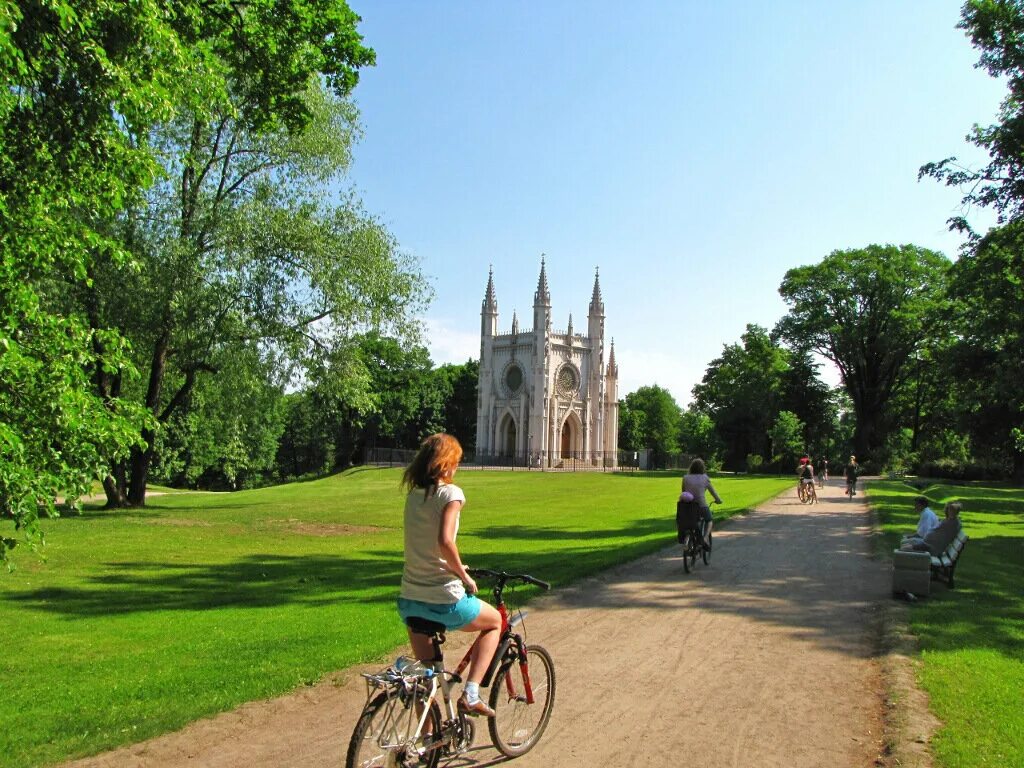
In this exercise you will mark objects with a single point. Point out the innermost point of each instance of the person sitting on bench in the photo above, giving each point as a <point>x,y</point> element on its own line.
<point>928,521</point>
<point>937,540</point>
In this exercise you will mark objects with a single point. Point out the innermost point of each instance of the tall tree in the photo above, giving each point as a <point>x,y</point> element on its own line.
<point>996,28</point>
<point>80,79</point>
<point>741,391</point>
<point>458,387</point>
<point>697,435</point>
<point>986,359</point>
<point>240,242</point>
<point>868,310</point>
<point>652,418</point>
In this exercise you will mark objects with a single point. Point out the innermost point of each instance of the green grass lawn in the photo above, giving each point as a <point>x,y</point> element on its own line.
<point>140,621</point>
<point>972,638</point>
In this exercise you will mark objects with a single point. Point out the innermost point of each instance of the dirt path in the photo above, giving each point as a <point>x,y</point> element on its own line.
<point>767,657</point>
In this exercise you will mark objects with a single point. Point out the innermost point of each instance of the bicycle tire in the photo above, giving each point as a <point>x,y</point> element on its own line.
<point>705,552</point>
<point>687,547</point>
<point>388,719</point>
<point>517,726</point>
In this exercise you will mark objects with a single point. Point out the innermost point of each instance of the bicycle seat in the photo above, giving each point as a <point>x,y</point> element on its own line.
<point>423,626</point>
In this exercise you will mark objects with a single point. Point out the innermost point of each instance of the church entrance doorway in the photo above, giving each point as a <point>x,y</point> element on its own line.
<point>570,441</point>
<point>507,436</point>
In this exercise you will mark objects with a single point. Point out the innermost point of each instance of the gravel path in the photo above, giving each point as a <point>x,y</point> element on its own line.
<point>767,657</point>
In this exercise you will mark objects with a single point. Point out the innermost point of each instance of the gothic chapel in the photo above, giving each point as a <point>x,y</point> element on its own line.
<point>546,398</point>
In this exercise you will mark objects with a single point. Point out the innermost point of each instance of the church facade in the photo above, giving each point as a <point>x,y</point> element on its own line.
<point>546,397</point>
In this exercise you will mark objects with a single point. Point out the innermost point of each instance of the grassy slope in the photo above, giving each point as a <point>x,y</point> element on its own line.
<point>141,621</point>
<point>972,638</point>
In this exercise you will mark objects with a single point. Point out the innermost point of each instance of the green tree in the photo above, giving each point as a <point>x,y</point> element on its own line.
<point>985,361</point>
<point>868,310</point>
<point>804,394</point>
<point>697,435</point>
<point>653,418</point>
<point>239,243</point>
<point>986,290</point>
<point>741,391</point>
<point>787,436</point>
<point>79,81</point>
<point>996,28</point>
<point>458,387</point>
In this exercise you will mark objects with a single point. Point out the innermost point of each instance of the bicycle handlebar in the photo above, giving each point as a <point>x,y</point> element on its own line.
<point>503,577</point>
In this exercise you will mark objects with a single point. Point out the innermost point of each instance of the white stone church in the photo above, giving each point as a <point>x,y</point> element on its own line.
<point>547,398</point>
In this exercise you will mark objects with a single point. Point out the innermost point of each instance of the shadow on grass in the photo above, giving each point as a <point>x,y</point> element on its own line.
<point>255,581</point>
<point>986,610</point>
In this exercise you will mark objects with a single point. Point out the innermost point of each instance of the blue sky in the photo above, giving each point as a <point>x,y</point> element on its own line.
<point>692,151</point>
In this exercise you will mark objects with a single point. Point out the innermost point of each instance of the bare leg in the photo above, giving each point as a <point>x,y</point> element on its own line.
<point>422,646</point>
<point>488,624</point>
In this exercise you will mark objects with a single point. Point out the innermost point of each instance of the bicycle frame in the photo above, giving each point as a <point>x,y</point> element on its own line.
<point>510,641</point>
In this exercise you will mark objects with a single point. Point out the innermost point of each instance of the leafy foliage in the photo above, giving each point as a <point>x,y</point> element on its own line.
<point>650,418</point>
<point>996,28</point>
<point>868,310</point>
<point>987,356</point>
<point>78,80</point>
<point>740,392</point>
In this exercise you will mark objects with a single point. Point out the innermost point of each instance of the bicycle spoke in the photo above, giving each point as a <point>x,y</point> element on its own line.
<point>517,724</point>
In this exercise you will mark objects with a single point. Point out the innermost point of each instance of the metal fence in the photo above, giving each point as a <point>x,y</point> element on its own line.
<point>542,461</point>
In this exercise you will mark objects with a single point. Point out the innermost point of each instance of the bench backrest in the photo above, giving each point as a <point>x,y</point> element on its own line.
<point>957,545</point>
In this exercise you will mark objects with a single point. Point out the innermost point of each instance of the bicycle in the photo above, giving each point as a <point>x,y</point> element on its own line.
<point>401,724</point>
<point>851,487</point>
<point>807,493</point>
<point>692,530</point>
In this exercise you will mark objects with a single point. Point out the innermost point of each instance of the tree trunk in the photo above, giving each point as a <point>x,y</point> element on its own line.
<point>141,459</point>
<point>114,487</point>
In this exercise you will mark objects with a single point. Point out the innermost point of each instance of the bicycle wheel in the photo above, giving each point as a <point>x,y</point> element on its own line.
<point>705,553</point>
<point>384,735</point>
<point>517,726</point>
<point>687,550</point>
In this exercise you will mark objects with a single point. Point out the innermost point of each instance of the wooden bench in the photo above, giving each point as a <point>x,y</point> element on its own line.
<point>944,566</point>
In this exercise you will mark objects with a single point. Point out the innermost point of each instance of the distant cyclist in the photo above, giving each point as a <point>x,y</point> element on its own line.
<point>805,472</point>
<point>851,471</point>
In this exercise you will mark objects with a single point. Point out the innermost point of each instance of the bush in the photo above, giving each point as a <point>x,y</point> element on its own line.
<point>948,469</point>
<point>754,462</point>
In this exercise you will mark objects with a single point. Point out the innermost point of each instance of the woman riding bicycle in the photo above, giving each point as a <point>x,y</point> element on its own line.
<point>697,482</point>
<point>851,472</point>
<point>435,584</point>
<point>805,482</point>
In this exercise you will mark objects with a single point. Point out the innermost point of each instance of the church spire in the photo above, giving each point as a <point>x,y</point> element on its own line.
<point>515,323</point>
<point>490,301</point>
<point>489,309</point>
<point>543,296</point>
<point>613,369</point>
<point>569,332</point>
<point>596,303</point>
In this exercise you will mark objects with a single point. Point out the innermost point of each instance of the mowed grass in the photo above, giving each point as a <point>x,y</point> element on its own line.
<point>140,621</point>
<point>972,637</point>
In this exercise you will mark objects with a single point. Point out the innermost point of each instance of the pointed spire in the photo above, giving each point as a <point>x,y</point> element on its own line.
<point>613,369</point>
<point>515,323</point>
<point>596,303</point>
<point>569,332</point>
<point>490,304</point>
<point>543,296</point>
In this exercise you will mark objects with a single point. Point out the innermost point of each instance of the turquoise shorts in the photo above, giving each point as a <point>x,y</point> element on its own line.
<point>452,615</point>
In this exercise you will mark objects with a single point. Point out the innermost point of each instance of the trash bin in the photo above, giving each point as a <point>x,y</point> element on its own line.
<point>911,572</point>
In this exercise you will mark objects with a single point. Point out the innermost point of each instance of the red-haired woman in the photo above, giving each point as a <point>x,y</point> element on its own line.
<point>435,584</point>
